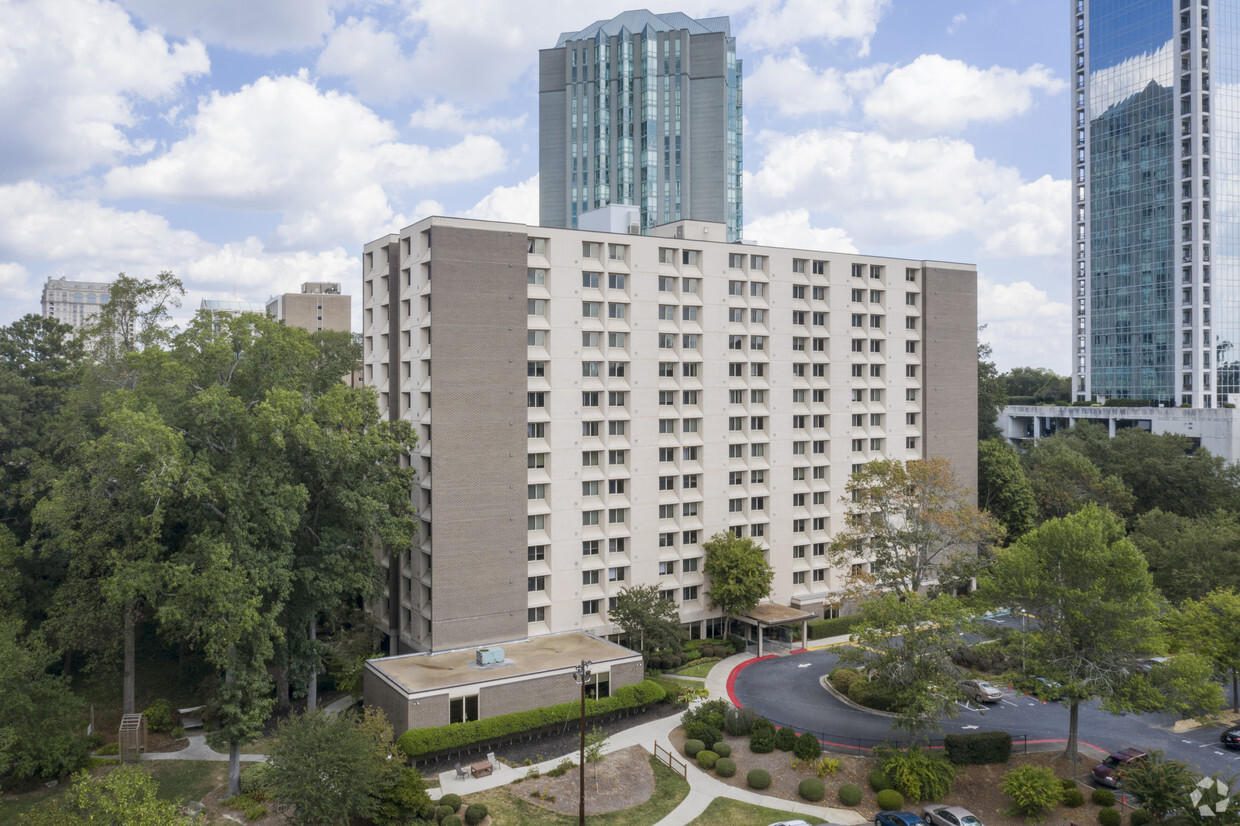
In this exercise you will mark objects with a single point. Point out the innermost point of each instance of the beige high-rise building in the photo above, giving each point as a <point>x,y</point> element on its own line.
<point>74,302</point>
<point>319,306</point>
<point>603,403</point>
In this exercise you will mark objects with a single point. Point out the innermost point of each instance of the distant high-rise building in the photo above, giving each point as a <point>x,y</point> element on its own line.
<point>74,302</point>
<point>1156,249</point>
<point>643,109</point>
<point>319,306</point>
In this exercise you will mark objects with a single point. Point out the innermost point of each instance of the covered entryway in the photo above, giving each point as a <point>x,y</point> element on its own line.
<point>769,615</point>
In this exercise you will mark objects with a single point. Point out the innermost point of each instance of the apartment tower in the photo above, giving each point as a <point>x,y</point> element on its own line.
<point>591,407</point>
<point>74,302</point>
<point>1156,256</point>
<point>319,306</point>
<point>645,110</point>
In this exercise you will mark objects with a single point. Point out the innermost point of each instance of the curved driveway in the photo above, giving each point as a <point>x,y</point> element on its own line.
<point>786,690</point>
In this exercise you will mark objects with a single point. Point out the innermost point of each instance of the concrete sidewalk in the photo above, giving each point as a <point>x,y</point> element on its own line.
<point>199,750</point>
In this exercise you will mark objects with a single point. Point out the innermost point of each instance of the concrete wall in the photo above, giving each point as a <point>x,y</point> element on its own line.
<point>553,191</point>
<point>401,712</point>
<point>949,336</point>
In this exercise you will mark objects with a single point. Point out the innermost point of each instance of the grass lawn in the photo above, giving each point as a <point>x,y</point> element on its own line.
<point>669,789</point>
<point>186,779</point>
<point>700,668</point>
<point>724,811</point>
<point>11,808</point>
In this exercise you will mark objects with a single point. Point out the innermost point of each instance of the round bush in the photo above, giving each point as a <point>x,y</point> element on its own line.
<point>807,747</point>
<point>761,741</point>
<point>443,811</point>
<point>811,789</point>
<point>850,795</point>
<point>1140,817</point>
<point>451,820</point>
<point>692,747</point>
<point>255,777</point>
<point>475,813</point>
<point>785,739</point>
<point>722,749</point>
<point>159,715</point>
<point>1073,797</point>
<point>1102,797</point>
<point>758,778</point>
<point>707,758</point>
<point>1109,817</point>
<point>451,800</point>
<point>725,767</point>
<point>890,800</point>
<point>843,678</point>
<point>879,780</point>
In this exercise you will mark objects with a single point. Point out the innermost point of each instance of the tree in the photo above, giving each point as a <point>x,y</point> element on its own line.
<point>1165,471</point>
<point>991,392</point>
<point>1094,602</point>
<point>39,715</point>
<point>907,640</point>
<point>644,615</point>
<point>329,768</point>
<point>1039,383</point>
<point>134,318</point>
<point>740,576</point>
<point>1211,627</point>
<point>1064,480</point>
<point>1003,489</point>
<point>1160,784</point>
<point>125,796</point>
<point>1190,556</point>
<point>915,522</point>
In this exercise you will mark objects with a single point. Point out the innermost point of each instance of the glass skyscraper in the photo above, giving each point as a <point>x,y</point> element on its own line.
<point>643,109</point>
<point>1156,191</point>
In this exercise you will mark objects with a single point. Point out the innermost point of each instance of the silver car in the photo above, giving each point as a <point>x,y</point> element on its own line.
<point>950,816</point>
<point>981,691</point>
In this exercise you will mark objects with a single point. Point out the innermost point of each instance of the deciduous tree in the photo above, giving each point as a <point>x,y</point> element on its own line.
<point>1064,480</point>
<point>1211,627</point>
<point>654,622</point>
<point>991,391</point>
<point>1190,556</point>
<point>126,796</point>
<point>740,576</point>
<point>1003,489</point>
<point>41,732</point>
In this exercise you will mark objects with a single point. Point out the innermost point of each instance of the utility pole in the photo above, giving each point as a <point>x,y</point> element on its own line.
<point>582,676</point>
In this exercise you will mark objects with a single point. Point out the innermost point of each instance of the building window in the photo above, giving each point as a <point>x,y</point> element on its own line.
<point>589,607</point>
<point>689,593</point>
<point>536,553</point>
<point>536,583</point>
<point>538,614</point>
<point>590,280</point>
<point>536,492</point>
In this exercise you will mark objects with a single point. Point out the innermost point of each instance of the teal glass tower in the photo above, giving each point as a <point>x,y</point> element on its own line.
<point>645,110</point>
<point>1156,167</point>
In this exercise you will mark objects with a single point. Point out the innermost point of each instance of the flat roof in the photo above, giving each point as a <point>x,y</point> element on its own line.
<point>427,672</point>
<point>770,613</point>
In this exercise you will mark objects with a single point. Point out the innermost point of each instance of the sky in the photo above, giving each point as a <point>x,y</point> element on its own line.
<point>250,145</point>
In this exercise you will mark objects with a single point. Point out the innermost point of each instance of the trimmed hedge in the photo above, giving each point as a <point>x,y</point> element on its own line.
<point>725,767</point>
<point>722,749</point>
<point>452,801</point>
<point>785,739</point>
<point>1140,817</point>
<point>850,795</point>
<point>1073,797</point>
<point>738,721</point>
<point>978,748</point>
<point>811,789</point>
<point>879,780</point>
<point>707,759</point>
<point>475,813</point>
<point>451,820</point>
<point>441,812</point>
<point>890,800</point>
<point>758,779</point>
<point>692,747</point>
<point>416,743</point>
<point>1102,797</point>
<point>255,777</point>
<point>842,679</point>
<point>1109,817</point>
<point>807,747</point>
<point>833,627</point>
<point>762,736</point>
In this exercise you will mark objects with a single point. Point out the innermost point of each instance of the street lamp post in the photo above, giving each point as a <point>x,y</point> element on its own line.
<point>581,674</point>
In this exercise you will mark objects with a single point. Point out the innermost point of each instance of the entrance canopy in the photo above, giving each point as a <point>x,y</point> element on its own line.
<point>769,614</point>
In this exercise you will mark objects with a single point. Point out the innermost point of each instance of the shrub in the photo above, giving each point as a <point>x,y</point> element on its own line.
<point>917,774</point>
<point>811,789</point>
<point>722,749</point>
<point>890,799</point>
<point>255,777</point>
<point>785,739</point>
<point>159,715</point>
<point>850,795</point>
<point>109,748</point>
<point>692,747</point>
<point>1073,797</point>
<point>451,820</point>
<point>1033,789</point>
<point>453,801</point>
<point>1109,817</point>
<point>872,694</point>
<point>738,721</point>
<point>879,780</point>
<point>422,741</point>
<point>1102,797</point>
<point>978,748</point>
<point>758,779</point>
<point>725,767</point>
<point>442,811</point>
<point>1140,817</point>
<point>762,737</point>
<point>833,627</point>
<point>178,732</point>
<point>94,740</point>
<point>807,747</point>
<point>843,678</point>
<point>703,731</point>
<point>707,758</point>
<point>825,766</point>
<point>475,813</point>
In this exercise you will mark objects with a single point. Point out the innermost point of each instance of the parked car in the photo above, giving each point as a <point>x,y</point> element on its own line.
<point>1110,772</point>
<point>797,822</point>
<point>950,816</point>
<point>1231,737</point>
<point>890,818</point>
<point>981,691</point>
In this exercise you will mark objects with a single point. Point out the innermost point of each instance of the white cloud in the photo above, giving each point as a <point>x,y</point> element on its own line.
<point>1023,325</point>
<point>777,23</point>
<point>448,117</point>
<point>793,87</point>
<point>958,20</point>
<point>935,94</point>
<point>321,159</point>
<point>370,59</point>
<point>71,72</point>
<point>518,204</point>
<point>263,27</point>
<point>902,191</point>
<point>792,228</point>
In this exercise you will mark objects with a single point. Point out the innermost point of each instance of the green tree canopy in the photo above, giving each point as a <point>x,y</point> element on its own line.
<point>125,796</point>
<point>740,577</point>
<point>41,731</point>
<point>646,617</point>
<point>1211,627</point>
<point>1003,489</point>
<point>1042,384</point>
<point>1190,556</point>
<point>1064,480</point>
<point>991,392</point>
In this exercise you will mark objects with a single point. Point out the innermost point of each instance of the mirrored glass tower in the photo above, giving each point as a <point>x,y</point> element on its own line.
<point>1156,191</point>
<point>643,109</point>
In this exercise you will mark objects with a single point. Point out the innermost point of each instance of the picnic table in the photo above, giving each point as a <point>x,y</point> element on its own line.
<point>481,769</point>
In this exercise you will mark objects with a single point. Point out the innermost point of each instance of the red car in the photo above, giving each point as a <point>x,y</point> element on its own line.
<point>1110,772</point>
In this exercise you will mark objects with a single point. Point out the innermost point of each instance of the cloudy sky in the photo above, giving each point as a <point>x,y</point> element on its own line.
<point>248,145</point>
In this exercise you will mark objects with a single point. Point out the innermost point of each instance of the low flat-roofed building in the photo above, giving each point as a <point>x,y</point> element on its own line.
<point>434,689</point>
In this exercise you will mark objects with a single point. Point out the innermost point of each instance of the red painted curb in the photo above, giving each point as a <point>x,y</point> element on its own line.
<point>735,671</point>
